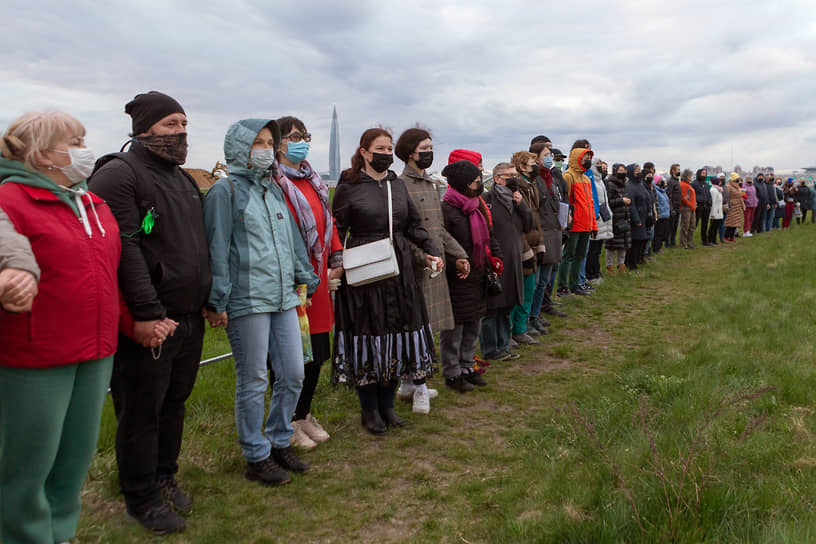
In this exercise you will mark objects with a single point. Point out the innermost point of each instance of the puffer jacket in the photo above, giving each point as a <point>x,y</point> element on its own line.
<point>736,206</point>
<point>616,191</point>
<point>803,197</point>
<point>700,186</point>
<point>639,208</point>
<point>605,229</point>
<point>716,202</point>
<point>257,255</point>
<point>751,200</point>
<point>580,193</point>
<point>663,203</point>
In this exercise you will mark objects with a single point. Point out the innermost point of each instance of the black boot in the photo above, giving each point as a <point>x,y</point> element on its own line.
<point>385,403</point>
<point>372,421</point>
<point>369,413</point>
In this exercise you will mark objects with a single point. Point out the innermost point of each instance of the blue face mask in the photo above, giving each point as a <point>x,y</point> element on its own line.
<point>548,162</point>
<point>297,151</point>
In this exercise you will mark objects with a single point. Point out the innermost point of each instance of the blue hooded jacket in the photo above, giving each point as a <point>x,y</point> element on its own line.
<point>257,255</point>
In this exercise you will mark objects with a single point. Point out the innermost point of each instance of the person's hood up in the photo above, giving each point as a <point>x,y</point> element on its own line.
<point>575,157</point>
<point>630,172</point>
<point>238,143</point>
<point>699,176</point>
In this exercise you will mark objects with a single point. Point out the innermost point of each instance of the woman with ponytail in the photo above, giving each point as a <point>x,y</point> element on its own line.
<point>381,329</point>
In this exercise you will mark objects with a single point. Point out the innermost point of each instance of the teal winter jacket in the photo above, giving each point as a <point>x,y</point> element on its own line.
<point>257,255</point>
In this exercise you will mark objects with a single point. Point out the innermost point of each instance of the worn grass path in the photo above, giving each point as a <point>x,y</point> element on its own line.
<point>609,432</point>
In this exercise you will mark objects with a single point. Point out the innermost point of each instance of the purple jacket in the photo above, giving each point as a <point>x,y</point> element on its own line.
<point>751,200</point>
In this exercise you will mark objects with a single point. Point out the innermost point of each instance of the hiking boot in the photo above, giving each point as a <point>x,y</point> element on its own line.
<point>526,340</point>
<point>314,430</point>
<point>422,401</point>
<point>373,422</point>
<point>299,438</point>
<point>611,271</point>
<point>621,268</point>
<point>159,519</point>
<point>459,384</point>
<point>266,472</point>
<point>287,459</point>
<point>475,379</point>
<point>173,496</point>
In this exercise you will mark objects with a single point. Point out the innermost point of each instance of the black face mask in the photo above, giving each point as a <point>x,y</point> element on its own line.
<point>474,192</point>
<point>381,161</point>
<point>512,184</point>
<point>425,159</point>
<point>648,179</point>
<point>170,147</point>
<point>662,184</point>
<point>533,172</point>
<point>586,164</point>
<point>621,175</point>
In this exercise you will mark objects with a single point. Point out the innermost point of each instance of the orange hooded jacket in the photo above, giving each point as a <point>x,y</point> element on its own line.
<point>579,188</point>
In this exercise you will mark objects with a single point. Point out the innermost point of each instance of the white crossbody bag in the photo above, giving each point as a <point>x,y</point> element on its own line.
<point>373,261</point>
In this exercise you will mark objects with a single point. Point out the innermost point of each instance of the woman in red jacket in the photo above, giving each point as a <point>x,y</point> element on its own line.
<point>308,199</point>
<point>56,360</point>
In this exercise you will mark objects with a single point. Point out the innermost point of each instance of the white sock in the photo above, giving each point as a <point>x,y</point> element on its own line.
<point>422,387</point>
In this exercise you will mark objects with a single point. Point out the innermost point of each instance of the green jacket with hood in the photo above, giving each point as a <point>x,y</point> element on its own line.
<point>257,256</point>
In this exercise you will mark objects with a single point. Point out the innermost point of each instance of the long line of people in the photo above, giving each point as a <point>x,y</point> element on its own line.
<point>109,268</point>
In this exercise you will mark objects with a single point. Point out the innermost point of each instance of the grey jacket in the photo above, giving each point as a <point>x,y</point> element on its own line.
<point>15,251</point>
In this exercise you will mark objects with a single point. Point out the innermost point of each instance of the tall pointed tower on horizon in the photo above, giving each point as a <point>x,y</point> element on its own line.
<point>334,147</point>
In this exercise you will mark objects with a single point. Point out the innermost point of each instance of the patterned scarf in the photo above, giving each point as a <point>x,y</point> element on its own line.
<point>478,224</point>
<point>305,216</point>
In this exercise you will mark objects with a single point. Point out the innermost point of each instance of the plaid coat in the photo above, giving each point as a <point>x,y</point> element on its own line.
<point>423,191</point>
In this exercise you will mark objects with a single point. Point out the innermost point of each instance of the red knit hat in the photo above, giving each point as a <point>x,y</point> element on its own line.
<point>465,155</point>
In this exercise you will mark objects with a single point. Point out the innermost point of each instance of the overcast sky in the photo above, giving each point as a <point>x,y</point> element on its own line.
<point>660,80</point>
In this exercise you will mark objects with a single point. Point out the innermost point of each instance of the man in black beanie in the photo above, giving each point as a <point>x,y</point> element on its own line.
<point>164,277</point>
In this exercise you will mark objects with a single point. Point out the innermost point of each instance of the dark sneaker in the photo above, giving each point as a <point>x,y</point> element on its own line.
<point>475,379</point>
<point>459,384</point>
<point>532,332</point>
<point>525,340</point>
<point>287,459</point>
<point>500,356</point>
<point>266,472</point>
<point>512,344</point>
<point>562,293</point>
<point>552,311</point>
<point>581,291</point>
<point>511,355</point>
<point>173,496</point>
<point>159,519</point>
<point>536,325</point>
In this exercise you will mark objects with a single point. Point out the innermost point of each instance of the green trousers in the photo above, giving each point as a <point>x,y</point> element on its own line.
<point>521,312</point>
<point>49,425</point>
<point>570,267</point>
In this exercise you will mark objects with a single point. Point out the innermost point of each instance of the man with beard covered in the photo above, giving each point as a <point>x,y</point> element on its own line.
<point>675,202</point>
<point>701,191</point>
<point>164,274</point>
<point>762,204</point>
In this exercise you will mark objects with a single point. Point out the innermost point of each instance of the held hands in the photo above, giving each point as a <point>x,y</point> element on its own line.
<point>627,200</point>
<point>430,259</point>
<point>17,290</point>
<point>216,319</point>
<point>462,268</point>
<point>151,334</point>
<point>335,278</point>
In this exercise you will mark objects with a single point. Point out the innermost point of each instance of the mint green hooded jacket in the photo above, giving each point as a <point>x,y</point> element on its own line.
<point>257,255</point>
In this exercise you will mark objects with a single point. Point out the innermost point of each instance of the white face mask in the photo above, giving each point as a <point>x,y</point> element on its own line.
<point>82,164</point>
<point>261,157</point>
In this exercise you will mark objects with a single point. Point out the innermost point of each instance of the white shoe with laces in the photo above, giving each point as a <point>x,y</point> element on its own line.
<point>422,400</point>
<point>299,437</point>
<point>313,429</point>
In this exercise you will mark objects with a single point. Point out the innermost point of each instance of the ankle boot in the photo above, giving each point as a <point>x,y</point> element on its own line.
<point>372,421</point>
<point>611,270</point>
<point>391,418</point>
<point>621,268</point>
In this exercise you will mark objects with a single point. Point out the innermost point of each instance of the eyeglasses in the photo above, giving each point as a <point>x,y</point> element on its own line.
<point>297,137</point>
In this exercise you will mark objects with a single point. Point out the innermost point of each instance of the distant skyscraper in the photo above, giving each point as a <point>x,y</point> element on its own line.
<point>334,147</point>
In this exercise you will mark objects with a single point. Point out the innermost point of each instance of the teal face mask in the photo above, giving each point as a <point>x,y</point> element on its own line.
<point>297,151</point>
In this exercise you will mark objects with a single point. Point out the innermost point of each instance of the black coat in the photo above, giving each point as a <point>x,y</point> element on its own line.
<point>166,272</point>
<point>803,197</point>
<point>468,296</point>
<point>701,190</point>
<point>762,195</point>
<point>616,191</point>
<point>673,191</point>
<point>639,208</point>
<point>508,229</point>
<point>548,204</point>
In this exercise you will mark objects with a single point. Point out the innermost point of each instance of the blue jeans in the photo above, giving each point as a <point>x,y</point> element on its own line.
<point>769,219</point>
<point>494,333</point>
<point>543,278</point>
<point>252,337</point>
<point>649,238</point>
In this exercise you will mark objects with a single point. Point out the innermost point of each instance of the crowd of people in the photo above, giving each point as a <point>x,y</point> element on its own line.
<point>110,267</point>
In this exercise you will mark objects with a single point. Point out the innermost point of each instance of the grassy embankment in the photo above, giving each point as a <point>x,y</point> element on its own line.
<point>634,422</point>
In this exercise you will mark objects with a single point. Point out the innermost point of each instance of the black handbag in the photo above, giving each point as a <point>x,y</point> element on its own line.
<point>494,286</point>
<point>622,225</point>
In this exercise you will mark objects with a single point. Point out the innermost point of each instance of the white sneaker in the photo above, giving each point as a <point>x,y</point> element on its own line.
<point>747,234</point>
<point>314,430</point>
<point>422,401</point>
<point>432,393</point>
<point>405,393</point>
<point>299,438</point>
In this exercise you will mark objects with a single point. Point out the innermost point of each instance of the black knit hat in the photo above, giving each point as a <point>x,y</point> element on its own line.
<point>460,174</point>
<point>148,108</point>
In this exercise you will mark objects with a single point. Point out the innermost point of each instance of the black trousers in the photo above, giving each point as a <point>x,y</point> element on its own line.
<point>593,262</point>
<point>759,218</point>
<point>634,255</point>
<point>661,234</point>
<point>674,222</point>
<point>702,219</point>
<point>713,229</point>
<point>148,398</point>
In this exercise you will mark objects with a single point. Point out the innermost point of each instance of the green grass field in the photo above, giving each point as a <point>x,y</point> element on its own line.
<point>676,406</point>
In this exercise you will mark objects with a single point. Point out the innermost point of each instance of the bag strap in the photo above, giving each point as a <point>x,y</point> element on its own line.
<point>390,219</point>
